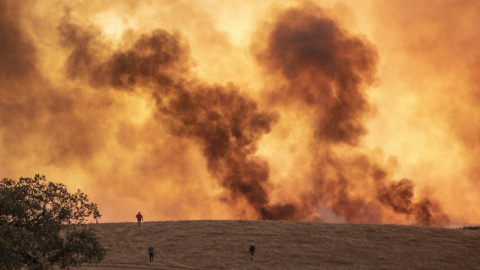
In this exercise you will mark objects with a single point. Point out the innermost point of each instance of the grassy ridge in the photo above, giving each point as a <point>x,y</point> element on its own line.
<point>285,245</point>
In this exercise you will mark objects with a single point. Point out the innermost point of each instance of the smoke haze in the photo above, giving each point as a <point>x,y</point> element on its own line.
<point>338,112</point>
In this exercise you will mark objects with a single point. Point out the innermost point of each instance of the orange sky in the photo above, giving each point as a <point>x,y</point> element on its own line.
<point>339,111</point>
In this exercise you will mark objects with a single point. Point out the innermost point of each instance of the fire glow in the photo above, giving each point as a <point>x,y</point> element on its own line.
<point>202,110</point>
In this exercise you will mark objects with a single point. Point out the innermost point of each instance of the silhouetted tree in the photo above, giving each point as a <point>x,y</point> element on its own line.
<point>42,225</point>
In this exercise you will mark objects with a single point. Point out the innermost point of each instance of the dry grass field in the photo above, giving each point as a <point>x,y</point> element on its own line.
<point>285,245</point>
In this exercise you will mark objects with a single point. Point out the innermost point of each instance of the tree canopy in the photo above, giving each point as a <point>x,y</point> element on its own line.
<point>42,225</point>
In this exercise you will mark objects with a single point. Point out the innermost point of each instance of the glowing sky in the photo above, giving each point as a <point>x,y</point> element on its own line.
<point>338,111</point>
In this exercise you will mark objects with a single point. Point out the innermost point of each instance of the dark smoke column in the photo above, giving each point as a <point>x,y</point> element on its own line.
<point>326,69</point>
<point>226,124</point>
<point>325,72</point>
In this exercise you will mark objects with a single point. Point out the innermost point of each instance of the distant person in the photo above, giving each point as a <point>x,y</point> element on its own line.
<point>252,251</point>
<point>151,250</point>
<point>139,219</point>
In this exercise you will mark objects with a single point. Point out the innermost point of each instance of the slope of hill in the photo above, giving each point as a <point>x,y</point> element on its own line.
<point>285,245</point>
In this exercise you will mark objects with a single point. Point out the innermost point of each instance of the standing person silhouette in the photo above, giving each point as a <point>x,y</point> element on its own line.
<point>252,251</point>
<point>151,250</point>
<point>139,219</point>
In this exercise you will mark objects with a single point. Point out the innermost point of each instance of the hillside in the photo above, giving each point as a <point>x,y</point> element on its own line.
<point>285,245</point>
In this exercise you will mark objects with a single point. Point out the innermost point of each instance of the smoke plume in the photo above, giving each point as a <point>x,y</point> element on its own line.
<point>226,124</point>
<point>345,112</point>
<point>327,71</point>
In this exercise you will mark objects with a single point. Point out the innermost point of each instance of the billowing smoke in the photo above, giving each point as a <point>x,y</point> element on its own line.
<point>327,71</point>
<point>226,124</point>
<point>399,195</point>
<point>326,68</point>
<point>284,115</point>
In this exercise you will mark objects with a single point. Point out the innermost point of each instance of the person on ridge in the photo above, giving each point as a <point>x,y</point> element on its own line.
<point>252,251</point>
<point>139,218</point>
<point>151,250</point>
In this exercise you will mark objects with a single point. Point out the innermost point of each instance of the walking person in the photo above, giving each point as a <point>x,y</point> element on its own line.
<point>252,251</point>
<point>139,219</point>
<point>151,250</point>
